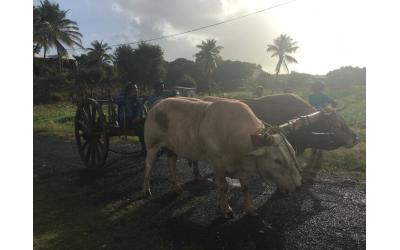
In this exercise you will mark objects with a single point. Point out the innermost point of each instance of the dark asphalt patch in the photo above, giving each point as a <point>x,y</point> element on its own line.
<point>327,213</point>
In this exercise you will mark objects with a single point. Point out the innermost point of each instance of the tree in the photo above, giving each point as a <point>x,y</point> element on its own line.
<point>347,75</point>
<point>95,69</point>
<point>51,28</point>
<point>177,69</point>
<point>234,74</point>
<point>186,81</point>
<point>208,58</point>
<point>39,29</point>
<point>98,53</point>
<point>282,47</point>
<point>124,59</point>
<point>148,64</point>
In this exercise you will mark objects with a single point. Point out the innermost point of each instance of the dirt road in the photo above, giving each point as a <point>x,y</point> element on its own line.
<point>79,209</point>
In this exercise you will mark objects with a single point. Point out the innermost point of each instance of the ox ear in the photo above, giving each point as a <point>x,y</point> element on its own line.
<point>260,143</point>
<point>259,151</point>
<point>260,140</point>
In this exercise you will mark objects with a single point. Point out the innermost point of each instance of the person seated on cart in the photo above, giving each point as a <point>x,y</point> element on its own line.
<point>259,92</point>
<point>318,99</point>
<point>160,93</point>
<point>131,113</point>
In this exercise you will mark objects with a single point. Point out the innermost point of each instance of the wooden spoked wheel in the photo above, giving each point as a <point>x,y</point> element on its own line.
<point>91,133</point>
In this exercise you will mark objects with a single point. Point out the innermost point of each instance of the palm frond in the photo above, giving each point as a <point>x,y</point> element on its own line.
<point>271,47</point>
<point>291,49</point>
<point>290,59</point>
<point>275,54</point>
<point>60,48</point>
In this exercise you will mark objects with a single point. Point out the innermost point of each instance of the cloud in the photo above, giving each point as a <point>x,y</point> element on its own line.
<point>116,8</point>
<point>151,19</point>
<point>310,23</point>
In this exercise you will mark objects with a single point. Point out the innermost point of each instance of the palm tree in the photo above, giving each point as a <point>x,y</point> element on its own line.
<point>98,53</point>
<point>51,28</point>
<point>39,29</point>
<point>283,45</point>
<point>208,57</point>
<point>99,60</point>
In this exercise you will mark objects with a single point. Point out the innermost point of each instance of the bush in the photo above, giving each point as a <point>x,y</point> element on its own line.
<point>187,81</point>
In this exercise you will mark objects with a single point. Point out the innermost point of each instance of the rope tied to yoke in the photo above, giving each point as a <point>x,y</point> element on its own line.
<point>270,130</point>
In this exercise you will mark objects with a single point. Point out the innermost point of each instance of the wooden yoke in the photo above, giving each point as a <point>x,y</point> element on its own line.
<point>298,123</point>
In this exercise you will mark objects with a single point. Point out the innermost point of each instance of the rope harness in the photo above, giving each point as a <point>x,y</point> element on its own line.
<point>286,143</point>
<point>269,130</point>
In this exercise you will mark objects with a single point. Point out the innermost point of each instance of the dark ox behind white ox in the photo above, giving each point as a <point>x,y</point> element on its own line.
<point>225,133</point>
<point>328,132</point>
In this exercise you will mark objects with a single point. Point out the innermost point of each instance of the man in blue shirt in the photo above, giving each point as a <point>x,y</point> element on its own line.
<point>318,99</point>
<point>131,112</point>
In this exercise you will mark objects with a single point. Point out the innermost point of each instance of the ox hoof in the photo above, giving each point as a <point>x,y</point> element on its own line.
<point>147,192</point>
<point>228,213</point>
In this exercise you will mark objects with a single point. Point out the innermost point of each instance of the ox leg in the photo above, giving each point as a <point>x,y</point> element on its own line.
<point>222,184</point>
<point>248,204</point>
<point>196,172</point>
<point>172,168</point>
<point>223,199</point>
<point>150,159</point>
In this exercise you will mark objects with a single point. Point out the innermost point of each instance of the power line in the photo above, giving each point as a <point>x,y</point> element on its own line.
<point>199,28</point>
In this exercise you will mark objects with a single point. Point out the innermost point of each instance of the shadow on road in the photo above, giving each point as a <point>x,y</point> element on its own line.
<point>106,208</point>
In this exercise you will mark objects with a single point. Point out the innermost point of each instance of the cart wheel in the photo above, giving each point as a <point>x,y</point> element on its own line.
<point>91,133</point>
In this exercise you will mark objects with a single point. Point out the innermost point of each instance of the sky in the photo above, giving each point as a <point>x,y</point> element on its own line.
<point>329,33</point>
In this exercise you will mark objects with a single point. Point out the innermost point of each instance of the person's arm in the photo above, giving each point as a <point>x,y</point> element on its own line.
<point>330,101</point>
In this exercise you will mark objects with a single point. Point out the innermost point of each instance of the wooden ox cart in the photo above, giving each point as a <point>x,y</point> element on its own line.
<point>96,121</point>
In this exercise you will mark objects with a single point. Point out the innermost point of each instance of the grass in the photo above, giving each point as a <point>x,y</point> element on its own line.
<point>57,119</point>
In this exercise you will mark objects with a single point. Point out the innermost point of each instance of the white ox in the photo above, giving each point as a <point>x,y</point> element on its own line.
<point>225,133</point>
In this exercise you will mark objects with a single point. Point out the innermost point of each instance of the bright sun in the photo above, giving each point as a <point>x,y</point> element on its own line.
<point>329,33</point>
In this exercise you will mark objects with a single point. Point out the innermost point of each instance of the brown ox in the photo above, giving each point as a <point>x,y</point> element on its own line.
<point>225,133</point>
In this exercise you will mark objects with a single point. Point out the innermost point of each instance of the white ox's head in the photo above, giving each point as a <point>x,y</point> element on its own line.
<point>276,160</point>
